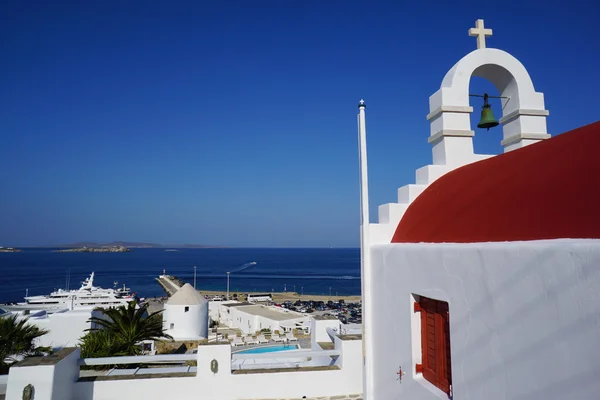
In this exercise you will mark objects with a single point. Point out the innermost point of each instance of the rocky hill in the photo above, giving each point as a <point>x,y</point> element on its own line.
<point>84,249</point>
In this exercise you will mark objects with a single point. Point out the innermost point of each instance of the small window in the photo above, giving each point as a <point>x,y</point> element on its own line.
<point>172,326</point>
<point>186,309</point>
<point>435,343</point>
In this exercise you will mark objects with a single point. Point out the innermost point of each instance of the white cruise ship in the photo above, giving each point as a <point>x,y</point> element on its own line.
<point>87,296</point>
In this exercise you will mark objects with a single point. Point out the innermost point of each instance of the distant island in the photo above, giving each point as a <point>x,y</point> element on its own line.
<point>85,249</point>
<point>9,250</point>
<point>135,245</point>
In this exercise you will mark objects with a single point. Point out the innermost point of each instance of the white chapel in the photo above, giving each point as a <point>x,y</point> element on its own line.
<point>483,281</point>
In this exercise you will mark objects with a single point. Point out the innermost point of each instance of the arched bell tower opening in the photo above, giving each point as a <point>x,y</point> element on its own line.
<point>522,115</point>
<point>485,142</point>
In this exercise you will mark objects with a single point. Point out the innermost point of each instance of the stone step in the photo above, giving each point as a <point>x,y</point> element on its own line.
<point>408,193</point>
<point>382,233</point>
<point>428,174</point>
<point>391,213</point>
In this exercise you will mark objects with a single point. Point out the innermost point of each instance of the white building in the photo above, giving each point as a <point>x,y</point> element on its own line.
<point>185,315</point>
<point>215,307</point>
<point>65,327</point>
<point>251,318</point>
<point>482,282</point>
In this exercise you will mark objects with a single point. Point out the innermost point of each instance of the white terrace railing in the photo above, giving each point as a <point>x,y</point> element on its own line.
<point>173,362</point>
<point>292,354</point>
<point>166,359</point>
<point>284,360</point>
<point>156,359</point>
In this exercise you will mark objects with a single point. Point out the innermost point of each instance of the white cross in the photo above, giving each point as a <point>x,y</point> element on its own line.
<point>481,33</point>
<point>361,102</point>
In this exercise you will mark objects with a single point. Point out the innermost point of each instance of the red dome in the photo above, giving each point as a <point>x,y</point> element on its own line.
<point>547,190</point>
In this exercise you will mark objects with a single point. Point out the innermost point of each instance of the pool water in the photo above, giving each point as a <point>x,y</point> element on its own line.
<point>269,349</point>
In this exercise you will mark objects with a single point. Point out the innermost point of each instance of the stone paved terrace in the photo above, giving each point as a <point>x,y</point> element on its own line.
<point>343,397</point>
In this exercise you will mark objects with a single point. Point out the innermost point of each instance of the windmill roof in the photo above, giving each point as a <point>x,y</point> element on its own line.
<point>186,296</point>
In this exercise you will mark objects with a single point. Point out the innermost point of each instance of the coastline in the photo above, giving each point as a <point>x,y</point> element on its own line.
<point>170,282</point>
<point>280,297</point>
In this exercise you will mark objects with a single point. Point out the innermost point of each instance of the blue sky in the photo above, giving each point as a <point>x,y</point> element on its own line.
<point>234,123</point>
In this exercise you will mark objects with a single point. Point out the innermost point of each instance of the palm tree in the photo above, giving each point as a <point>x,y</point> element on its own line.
<point>17,340</point>
<point>126,326</point>
<point>101,343</point>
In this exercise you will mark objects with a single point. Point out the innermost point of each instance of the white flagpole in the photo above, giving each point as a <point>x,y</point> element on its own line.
<point>365,256</point>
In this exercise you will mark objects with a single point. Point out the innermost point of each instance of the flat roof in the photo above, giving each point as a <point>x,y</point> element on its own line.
<point>51,359</point>
<point>350,337</point>
<point>237,304</point>
<point>324,317</point>
<point>269,312</point>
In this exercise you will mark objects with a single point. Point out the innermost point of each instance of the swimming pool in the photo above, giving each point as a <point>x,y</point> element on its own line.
<point>269,349</point>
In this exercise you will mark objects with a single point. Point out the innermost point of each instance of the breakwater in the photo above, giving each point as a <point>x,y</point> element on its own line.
<point>170,284</point>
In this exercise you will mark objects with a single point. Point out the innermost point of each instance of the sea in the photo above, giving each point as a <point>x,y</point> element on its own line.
<point>39,271</point>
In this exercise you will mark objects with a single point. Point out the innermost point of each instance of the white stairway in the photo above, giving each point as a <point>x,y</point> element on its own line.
<point>389,214</point>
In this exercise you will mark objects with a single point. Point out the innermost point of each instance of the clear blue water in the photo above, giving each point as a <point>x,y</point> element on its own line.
<point>312,271</point>
<point>269,349</point>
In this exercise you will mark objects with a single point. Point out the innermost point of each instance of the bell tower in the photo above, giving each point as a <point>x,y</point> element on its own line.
<point>523,118</point>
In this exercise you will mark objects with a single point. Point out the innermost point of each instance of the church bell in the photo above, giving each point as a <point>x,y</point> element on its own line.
<point>487,116</point>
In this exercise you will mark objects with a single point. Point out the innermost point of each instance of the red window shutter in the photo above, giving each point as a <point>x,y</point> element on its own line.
<point>435,343</point>
<point>430,356</point>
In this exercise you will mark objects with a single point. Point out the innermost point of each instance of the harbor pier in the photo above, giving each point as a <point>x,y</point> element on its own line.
<point>169,283</point>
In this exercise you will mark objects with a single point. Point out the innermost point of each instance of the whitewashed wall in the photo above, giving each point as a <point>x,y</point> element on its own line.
<point>3,382</point>
<point>294,385</point>
<point>226,386</point>
<point>249,323</point>
<point>523,318</point>
<point>191,324</point>
<point>217,309</point>
<point>319,329</point>
<point>50,382</point>
<point>65,328</point>
<point>58,382</point>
